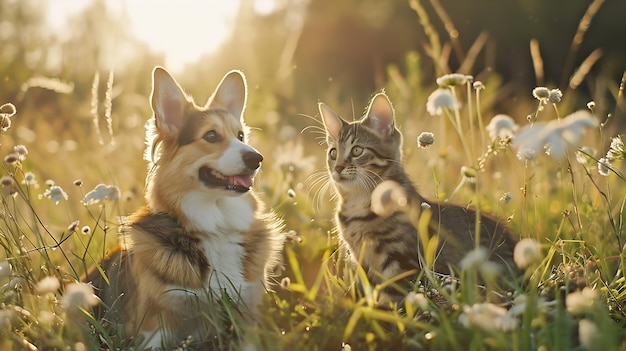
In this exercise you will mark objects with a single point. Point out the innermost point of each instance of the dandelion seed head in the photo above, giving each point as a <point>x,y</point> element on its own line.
<point>541,93</point>
<point>501,126</point>
<point>604,167</point>
<point>555,96</point>
<point>591,105</point>
<point>425,139</point>
<point>47,285</point>
<point>21,151</point>
<point>527,253</point>
<point>478,85</point>
<point>439,100</point>
<point>453,79</point>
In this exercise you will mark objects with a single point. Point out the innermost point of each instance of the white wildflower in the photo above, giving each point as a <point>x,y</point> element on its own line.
<point>439,100</point>
<point>102,193</point>
<point>453,79</point>
<point>417,299</point>
<point>555,96</point>
<point>591,105</point>
<point>478,260</point>
<point>604,167</point>
<point>21,151</point>
<point>555,136</point>
<point>48,284</point>
<point>55,193</point>
<point>585,155</point>
<point>541,94</point>
<point>527,253</point>
<point>501,126</point>
<point>617,151</point>
<point>79,295</point>
<point>520,302</point>
<point>487,317</point>
<point>581,302</point>
<point>387,198</point>
<point>30,180</point>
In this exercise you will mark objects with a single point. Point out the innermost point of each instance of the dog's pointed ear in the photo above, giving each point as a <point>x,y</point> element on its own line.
<point>380,115</point>
<point>332,122</point>
<point>231,94</point>
<point>168,101</point>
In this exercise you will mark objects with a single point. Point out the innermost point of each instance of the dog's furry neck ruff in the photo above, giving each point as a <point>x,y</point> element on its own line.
<point>170,236</point>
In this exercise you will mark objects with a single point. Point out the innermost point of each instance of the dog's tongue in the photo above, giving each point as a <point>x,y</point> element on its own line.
<point>242,180</point>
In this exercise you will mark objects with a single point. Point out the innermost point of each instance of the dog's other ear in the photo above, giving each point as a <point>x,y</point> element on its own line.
<point>231,94</point>
<point>168,100</point>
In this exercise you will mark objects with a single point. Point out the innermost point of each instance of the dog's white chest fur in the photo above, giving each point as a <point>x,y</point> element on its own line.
<point>223,221</point>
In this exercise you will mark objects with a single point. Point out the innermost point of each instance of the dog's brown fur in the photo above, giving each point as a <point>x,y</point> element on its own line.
<point>202,232</point>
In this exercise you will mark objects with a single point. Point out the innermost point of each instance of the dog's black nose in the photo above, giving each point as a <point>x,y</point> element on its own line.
<point>252,159</point>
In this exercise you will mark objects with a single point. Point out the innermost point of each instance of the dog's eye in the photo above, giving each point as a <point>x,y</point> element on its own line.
<point>332,154</point>
<point>357,151</point>
<point>240,136</point>
<point>212,136</point>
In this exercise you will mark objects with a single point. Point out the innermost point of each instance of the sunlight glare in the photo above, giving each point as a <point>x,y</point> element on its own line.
<point>183,30</point>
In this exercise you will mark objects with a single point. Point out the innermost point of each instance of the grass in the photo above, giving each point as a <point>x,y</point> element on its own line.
<point>573,296</point>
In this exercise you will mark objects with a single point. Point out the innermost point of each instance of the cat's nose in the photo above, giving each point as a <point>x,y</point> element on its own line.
<point>339,168</point>
<point>252,159</point>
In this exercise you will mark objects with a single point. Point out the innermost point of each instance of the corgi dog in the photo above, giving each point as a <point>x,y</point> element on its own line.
<point>202,232</point>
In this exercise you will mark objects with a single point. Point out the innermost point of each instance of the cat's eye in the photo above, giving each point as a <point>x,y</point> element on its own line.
<point>212,136</point>
<point>240,136</point>
<point>332,154</point>
<point>356,151</point>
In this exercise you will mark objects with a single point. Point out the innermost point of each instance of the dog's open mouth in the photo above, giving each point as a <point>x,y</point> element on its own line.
<point>240,183</point>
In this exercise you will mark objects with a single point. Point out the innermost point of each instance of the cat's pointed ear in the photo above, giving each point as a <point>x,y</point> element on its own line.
<point>168,101</point>
<point>332,122</point>
<point>380,115</point>
<point>231,94</point>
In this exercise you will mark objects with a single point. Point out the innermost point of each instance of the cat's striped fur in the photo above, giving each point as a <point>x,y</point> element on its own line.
<point>363,154</point>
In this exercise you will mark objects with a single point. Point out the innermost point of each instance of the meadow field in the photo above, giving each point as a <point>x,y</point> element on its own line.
<point>548,160</point>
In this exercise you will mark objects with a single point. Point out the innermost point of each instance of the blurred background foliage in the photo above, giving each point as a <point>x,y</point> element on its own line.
<point>305,51</point>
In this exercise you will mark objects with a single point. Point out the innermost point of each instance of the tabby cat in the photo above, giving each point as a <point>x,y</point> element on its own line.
<point>363,154</point>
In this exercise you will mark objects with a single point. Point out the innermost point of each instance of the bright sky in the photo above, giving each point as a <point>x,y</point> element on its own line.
<point>171,27</point>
